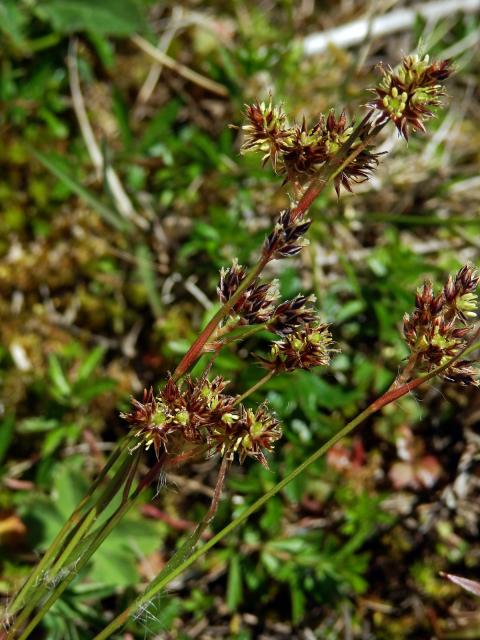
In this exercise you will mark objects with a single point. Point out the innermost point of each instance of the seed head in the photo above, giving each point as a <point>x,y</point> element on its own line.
<point>299,152</point>
<point>186,412</point>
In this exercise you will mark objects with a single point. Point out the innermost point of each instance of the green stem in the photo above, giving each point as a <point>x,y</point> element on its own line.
<point>49,555</point>
<point>73,544</point>
<point>254,387</point>
<point>179,562</point>
<point>98,537</point>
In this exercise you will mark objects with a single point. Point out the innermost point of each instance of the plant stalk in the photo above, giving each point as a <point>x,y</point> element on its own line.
<point>254,387</point>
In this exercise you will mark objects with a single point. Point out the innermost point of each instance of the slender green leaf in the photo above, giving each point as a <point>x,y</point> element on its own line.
<point>234,587</point>
<point>57,376</point>
<point>90,363</point>
<point>109,215</point>
<point>146,271</point>
<point>7,427</point>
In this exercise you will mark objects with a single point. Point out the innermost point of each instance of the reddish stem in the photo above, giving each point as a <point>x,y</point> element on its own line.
<point>196,349</point>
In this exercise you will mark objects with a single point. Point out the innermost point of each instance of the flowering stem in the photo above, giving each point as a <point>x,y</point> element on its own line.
<point>247,331</point>
<point>404,375</point>
<point>222,474</point>
<point>326,175</point>
<point>334,167</point>
<point>86,551</point>
<point>93,542</point>
<point>181,560</point>
<point>185,551</point>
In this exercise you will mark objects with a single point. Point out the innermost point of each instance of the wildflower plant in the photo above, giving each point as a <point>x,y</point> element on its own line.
<point>194,417</point>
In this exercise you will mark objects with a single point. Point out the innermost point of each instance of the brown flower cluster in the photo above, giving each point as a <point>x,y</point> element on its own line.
<point>439,328</point>
<point>199,412</point>
<point>253,433</point>
<point>299,152</point>
<point>308,347</point>
<point>258,304</point>
<point>267,130</point>
<point>290,315</point>
<point>286,239</point>
<point>406,95</point>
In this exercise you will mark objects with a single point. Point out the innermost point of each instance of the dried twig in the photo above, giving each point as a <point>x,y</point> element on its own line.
<point>355,32</point>
<point>181,69</point>
<point>120,197</point>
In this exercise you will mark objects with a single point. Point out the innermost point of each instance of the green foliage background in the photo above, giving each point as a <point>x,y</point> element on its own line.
<point>93,308</point>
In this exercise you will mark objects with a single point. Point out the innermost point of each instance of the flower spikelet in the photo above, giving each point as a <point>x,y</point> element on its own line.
<point>261,430</point>
<point>308,347</point>
<point>460,296</point>
<point>286,239</point>
<point>230,280</point>
<point>267,130</point>
<point>254,432</point>
<point>407,94</point>
<point>304,153</point>
<point>292,314</point>
<point>151,421</point>
<point>438,329</point>
<point>256,304</point>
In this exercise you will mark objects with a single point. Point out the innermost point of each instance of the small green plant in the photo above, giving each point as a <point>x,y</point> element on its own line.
<point>197,416</point>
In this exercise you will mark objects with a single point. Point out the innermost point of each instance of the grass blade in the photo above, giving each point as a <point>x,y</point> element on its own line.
<point>107,214</point>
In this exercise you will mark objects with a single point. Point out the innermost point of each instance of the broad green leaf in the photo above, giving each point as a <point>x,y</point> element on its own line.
<point>113,567</point>
<point>69,487</point>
